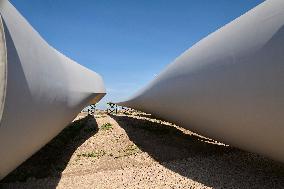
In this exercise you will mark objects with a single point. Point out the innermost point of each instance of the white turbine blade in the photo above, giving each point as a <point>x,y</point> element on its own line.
<point>41,90</point>
<point>230,85</point>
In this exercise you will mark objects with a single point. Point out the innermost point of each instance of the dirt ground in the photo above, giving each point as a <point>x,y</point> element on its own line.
<point>135,150</point>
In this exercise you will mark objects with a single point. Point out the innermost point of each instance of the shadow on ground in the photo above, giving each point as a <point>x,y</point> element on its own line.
<point>198,159</point>
<point>52,159</point>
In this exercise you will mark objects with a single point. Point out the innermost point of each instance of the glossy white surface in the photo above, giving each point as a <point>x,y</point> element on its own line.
<point>45,90</point>
<point>230,85</point>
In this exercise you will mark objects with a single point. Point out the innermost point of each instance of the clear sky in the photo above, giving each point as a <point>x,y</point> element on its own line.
<point>128,42</point>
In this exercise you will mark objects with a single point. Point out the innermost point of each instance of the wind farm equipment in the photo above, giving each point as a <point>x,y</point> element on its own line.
<point>229,86</point>
<point>41,90</point>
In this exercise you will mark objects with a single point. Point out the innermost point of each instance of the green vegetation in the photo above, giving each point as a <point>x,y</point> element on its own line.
<point>128,151</point>
<point>96,154</point>
<point>106,126</point>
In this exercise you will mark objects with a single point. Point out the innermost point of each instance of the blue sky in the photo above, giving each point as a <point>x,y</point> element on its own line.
<point>128,42</point>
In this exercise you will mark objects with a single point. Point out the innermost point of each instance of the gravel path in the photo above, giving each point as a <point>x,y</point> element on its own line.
<point>137,151</point>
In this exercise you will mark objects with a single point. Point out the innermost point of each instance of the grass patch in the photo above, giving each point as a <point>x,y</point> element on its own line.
<point>106,126</point>
<point>128,151</point>
<point>96,154</point>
